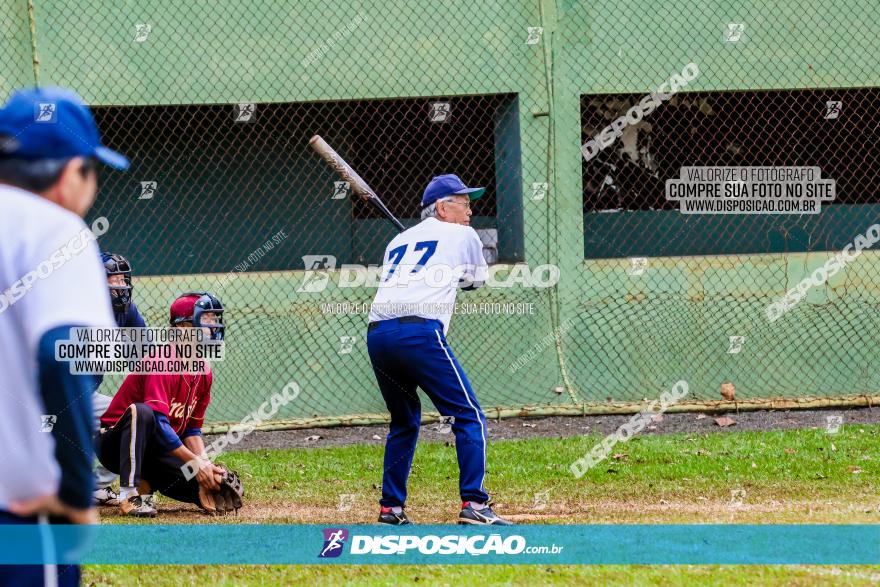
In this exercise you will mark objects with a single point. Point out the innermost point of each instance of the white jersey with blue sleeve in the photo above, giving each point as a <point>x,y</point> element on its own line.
<point>50,276</point>
<point>423,269</point>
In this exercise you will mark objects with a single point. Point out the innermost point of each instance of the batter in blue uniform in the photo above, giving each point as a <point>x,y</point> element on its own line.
<point>423,269</point>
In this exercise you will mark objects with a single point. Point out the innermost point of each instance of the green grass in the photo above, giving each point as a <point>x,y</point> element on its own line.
<point>795,465</point>
<point>796,476</point>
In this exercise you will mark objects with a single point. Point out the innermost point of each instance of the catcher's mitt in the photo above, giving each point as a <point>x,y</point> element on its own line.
<point>227,498</point>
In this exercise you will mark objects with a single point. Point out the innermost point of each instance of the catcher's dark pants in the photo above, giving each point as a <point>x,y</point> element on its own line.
<point>412,352</point>
<point>131,448</point>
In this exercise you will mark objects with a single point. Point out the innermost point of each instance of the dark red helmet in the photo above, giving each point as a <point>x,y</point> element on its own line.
<point>190,306</point>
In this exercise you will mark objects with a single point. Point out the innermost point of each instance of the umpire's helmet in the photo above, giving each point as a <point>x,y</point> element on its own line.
<point>120,295</point>
<point>190,306</point>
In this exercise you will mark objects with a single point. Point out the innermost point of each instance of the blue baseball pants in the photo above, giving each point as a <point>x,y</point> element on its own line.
<point>412,352</point>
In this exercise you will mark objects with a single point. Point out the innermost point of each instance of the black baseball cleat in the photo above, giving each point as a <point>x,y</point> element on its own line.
<point>485,516</point>
<point>386,516</point>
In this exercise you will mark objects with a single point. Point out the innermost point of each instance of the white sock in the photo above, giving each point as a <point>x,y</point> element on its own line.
<point>477,505</point>
<point>126,492</point>
<point>396,509</point>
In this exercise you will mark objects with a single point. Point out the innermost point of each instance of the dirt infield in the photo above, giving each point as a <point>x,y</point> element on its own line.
<point>560,427</point>
<point>568,511</point>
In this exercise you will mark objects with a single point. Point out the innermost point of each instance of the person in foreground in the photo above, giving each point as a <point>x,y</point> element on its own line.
<point>50,281</point>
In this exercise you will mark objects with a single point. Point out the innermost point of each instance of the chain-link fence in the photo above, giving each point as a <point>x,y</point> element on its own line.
<point>680,295</point>
<point>215,104</point>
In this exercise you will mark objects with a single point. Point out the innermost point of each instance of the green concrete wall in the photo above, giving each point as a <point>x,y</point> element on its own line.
<point>623,339</point>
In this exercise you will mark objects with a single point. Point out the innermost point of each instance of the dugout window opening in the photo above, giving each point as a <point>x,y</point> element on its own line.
<point>220,186</point>
<point>625,210</point>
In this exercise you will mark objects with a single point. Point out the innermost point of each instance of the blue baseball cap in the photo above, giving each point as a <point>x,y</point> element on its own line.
<point>448,185</point>
<point>52,123</point>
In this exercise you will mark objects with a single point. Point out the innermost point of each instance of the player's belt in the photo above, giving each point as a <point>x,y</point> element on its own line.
<point>401,320</point>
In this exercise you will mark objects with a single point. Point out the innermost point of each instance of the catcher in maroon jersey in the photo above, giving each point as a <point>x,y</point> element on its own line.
<point>153,426</point>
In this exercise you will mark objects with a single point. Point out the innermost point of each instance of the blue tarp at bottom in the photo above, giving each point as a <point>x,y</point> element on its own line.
<point>226,543</point>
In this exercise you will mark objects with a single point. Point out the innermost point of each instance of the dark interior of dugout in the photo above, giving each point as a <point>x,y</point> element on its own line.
<point>223,188</point>
<point>625,210</point>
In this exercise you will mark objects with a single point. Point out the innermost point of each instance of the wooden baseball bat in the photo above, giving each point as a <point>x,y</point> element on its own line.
<point>358,185</point>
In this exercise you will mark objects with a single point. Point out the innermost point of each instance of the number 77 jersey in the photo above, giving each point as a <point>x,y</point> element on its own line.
<point>424,267</point>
